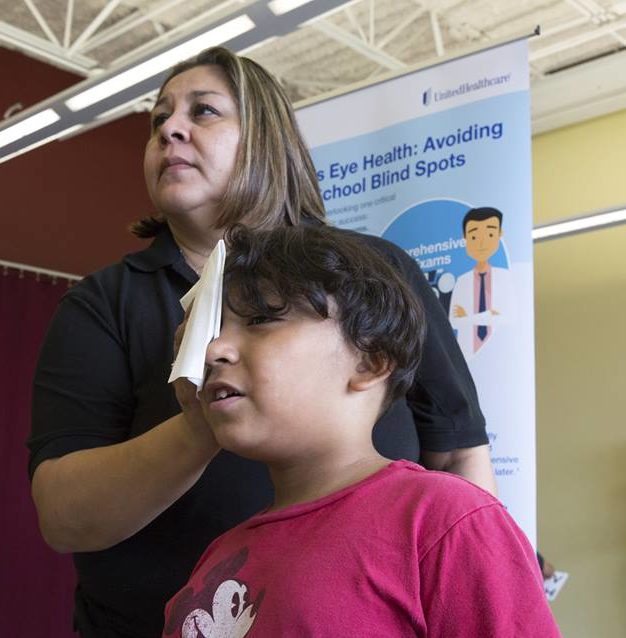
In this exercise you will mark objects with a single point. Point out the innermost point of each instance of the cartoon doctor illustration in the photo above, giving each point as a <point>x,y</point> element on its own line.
<point>482,298</point>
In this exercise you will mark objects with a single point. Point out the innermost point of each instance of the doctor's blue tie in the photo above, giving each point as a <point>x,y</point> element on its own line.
<point>482,305</point>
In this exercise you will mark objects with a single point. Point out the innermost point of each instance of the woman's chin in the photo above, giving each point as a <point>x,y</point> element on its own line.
<point>178,209</point>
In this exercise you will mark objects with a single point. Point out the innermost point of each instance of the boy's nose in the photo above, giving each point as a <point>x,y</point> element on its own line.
<point>221,351</point>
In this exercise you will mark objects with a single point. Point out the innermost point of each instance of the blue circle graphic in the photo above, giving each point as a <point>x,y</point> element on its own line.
<point>432,233</point>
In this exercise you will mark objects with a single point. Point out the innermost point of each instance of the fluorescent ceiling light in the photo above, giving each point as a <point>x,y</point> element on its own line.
<point>579,224</point>
<point>27,126</point>
<point>159,63</point>
<point>279,7</point>
<point>38,143</point>
<point>128,106</point>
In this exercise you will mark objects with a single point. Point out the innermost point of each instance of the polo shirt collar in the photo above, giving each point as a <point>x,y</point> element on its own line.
<point>162,252</point>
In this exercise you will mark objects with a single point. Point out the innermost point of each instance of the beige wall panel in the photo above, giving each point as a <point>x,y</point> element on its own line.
<point>580,168</point>
<point>580,293</point>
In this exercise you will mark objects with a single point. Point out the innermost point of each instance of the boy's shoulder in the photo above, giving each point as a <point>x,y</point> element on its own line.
<point>437,500</point>
<point>405,496</point>
<point>431,485</point>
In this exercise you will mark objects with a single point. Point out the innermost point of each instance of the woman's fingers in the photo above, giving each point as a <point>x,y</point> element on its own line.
<point>178,336</point>
<point>180,331</point>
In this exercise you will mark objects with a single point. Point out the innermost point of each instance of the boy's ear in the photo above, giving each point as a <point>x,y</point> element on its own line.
<point>372,369</point>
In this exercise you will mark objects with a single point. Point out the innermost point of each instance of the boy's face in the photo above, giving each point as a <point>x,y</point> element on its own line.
<point>277,387</point>
<point>482,238</point>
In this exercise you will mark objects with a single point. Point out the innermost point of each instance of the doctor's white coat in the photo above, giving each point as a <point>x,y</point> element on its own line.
<point>502,301</point>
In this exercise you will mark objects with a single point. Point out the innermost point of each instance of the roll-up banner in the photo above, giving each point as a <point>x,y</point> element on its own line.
<point>438,161</point>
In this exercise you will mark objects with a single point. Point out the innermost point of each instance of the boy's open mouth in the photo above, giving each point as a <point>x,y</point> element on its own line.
<point>220,391</point>
<point>225,393</point>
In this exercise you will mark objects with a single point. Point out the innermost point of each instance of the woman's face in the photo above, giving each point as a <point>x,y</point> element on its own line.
<point>190,155</point>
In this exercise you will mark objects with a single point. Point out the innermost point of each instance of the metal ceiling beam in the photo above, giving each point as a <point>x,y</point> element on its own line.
<point>577,40</point>
<point>603,16</point>
<point>355,23</point>
<point>201,21</point>
<point>158,27</point>
<point>325,85</point>
<point>597,11</point>
<point>44,50</point>
<point>563,26</point>
<point>363,48</point>
<point>141,104</point>
<point>595,14</point>
<point>94,25</point>
<point>395,32</point>
<point>564,98</point>
<point>82,104</point>
<point>579,7</point>
<point>434,25</point>
<point>372,22</point>
<point>69,17</point>
<point>129,23</point>
<point>41,21</point>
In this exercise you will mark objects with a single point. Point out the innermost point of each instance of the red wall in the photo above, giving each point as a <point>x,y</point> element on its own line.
<point>66,205</point>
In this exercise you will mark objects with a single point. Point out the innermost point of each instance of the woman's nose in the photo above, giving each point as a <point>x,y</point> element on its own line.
<point>174,129</point>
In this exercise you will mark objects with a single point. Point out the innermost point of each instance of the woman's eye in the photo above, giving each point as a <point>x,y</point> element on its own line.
<point>203,109</point>
<point>157,120</point>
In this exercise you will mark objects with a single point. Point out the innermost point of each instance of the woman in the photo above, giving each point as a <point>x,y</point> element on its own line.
<point>120,477</point>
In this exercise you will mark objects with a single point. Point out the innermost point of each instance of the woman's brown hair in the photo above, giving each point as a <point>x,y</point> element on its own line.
<point>274,181</point>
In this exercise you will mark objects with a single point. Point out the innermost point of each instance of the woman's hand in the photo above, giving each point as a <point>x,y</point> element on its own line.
<point>95,498</point>
<point>78,495</point>
<point>189,403</point>
<point>186,393</point>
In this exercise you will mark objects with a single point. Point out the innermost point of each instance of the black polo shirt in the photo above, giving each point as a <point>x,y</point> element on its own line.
<point>102,379</point>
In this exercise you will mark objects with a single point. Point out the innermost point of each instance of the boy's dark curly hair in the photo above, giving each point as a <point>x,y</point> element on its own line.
<point>268,272</point>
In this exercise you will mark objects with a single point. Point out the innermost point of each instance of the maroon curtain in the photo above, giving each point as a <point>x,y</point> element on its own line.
<point>36,583</point>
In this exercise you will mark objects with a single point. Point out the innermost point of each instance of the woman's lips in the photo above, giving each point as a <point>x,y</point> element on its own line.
<point>174,164</point>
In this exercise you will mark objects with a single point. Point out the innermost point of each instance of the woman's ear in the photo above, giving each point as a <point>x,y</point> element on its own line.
<point>371,370</point>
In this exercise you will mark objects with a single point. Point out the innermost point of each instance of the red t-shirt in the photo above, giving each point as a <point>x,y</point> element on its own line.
<point>404,552</point>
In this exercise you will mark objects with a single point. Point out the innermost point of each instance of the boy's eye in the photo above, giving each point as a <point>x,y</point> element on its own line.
<point>260,319</point>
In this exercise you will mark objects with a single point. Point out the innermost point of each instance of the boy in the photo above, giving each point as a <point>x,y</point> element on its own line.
<point>318,336</point>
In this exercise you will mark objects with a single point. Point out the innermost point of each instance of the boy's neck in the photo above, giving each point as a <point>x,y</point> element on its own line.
<point>303,481</point>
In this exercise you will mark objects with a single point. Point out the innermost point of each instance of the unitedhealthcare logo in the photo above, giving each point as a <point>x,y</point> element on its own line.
<point>461,89</point>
